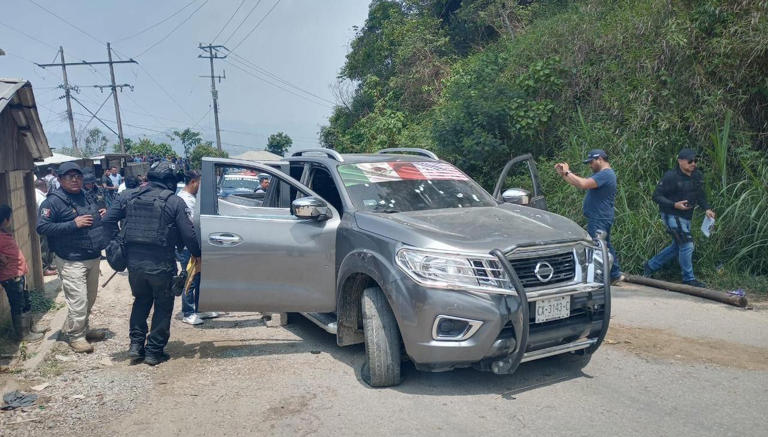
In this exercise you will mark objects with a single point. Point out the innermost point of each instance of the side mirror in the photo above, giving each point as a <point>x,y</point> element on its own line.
<point>311,208</point>
<point>517,195</point>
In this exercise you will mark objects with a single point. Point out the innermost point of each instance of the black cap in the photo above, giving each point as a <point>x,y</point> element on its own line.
<point>89,178</point>
<point>69,166</point>
<point>594,154</point>
<point>687,154</point>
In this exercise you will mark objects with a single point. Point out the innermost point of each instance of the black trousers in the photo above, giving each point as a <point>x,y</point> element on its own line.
<point>151,290</point>
<point>18,297</point>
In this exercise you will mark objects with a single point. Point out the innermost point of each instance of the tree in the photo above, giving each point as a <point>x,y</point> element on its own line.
<point>201,151</point>
<point>189,139</point>
<point>145,146</point>
<point>128,145</point>
<point>279,143</point>
<point>94,143</point>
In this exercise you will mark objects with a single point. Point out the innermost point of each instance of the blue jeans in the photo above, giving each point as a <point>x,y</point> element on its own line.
<point>594,225</point>
<point>190,299</point>
<point>681,247</point>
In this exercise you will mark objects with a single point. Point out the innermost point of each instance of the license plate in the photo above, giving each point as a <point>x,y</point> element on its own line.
<point>553,309</point>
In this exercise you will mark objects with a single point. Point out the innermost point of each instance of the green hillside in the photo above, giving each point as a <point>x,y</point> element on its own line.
<point>478,81</point>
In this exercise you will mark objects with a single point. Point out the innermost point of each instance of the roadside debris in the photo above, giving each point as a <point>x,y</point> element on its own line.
<point>17,399</point>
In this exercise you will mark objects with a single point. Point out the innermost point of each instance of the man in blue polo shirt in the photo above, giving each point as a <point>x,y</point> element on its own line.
<point>600,198</point>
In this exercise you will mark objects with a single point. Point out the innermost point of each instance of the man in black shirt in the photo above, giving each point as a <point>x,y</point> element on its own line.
<point>678,193</point>
<point>156,221</point>
<point>72,222</point>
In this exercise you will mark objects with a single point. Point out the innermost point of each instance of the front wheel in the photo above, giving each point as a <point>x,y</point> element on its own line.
<point>382,340</point>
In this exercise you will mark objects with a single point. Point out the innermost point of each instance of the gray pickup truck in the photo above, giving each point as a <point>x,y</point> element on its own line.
<point>405,253</point>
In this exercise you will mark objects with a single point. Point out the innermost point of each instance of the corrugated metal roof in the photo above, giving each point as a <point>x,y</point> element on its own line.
<point>16,95</point>
<point>59,158</point>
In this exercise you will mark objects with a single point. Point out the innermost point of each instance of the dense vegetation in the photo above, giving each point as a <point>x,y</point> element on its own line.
<point>480,80</point>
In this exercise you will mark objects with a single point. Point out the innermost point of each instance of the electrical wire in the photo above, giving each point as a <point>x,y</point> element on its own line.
<point>150,27</point>
<point>257,25</point>
<point>242,2</point>
<point>172,30</point>
<point>29,36</point>
<point>65,21</point>
<point>242,22</point>
<point>278,78</point>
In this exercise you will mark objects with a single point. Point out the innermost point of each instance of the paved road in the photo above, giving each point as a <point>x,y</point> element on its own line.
<point>672,365</point>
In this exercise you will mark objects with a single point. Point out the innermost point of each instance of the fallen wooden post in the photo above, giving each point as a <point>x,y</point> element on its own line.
<point>720,296</point>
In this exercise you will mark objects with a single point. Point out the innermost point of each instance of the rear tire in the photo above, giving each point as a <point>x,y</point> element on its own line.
<point>382,340</point>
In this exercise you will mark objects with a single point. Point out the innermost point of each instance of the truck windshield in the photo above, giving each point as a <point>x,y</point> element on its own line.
<point>390,187</point>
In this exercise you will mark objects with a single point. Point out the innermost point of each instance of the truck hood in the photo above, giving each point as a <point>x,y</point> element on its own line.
<point>472,229</point>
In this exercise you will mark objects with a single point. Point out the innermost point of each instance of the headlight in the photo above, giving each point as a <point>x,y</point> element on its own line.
<point>454,271</point>
<point>597,262</point>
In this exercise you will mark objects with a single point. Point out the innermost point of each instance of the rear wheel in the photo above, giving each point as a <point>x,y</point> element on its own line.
<point>382,340</point>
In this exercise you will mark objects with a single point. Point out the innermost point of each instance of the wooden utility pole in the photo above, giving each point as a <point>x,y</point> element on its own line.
<point>67,92</point>
<point>212,52</point>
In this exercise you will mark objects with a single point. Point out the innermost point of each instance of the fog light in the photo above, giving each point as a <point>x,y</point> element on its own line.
<point>447,328</point>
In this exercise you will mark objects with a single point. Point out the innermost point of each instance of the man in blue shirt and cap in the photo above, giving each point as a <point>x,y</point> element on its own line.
<point>600,198</point>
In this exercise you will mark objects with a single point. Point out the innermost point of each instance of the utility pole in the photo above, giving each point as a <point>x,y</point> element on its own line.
<point>117,104</point>
<point>69,102</point>
<point>113,87</point>
<point>212,52</point>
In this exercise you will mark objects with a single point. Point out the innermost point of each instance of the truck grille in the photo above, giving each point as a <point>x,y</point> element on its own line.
<point>563,266</point>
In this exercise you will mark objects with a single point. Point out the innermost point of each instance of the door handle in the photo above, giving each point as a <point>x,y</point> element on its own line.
<point>224,239</point>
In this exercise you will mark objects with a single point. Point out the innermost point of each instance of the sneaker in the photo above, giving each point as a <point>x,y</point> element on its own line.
<point>647,272</point>
<point>617,279</point>
<point>155,359</point>
<point>93,335</point>
<point>194,319</point>
<point>136,351</point>
<point>81,346</point>
<point>695,283</point>
<point>208,315</point>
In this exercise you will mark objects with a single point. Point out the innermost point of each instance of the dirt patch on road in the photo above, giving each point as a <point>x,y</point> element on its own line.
<point>667,345</point>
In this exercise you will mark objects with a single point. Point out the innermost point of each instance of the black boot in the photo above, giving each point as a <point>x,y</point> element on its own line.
<point>22,332</point>
<point>136,351</point>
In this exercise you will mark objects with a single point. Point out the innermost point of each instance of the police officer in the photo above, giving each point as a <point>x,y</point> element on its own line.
<point>72,222</point>
<point>156,221</point>
<point>92,189</point>
<point>677,194</point>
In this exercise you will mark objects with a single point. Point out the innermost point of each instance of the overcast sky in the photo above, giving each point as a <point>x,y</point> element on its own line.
<point>300,42</point>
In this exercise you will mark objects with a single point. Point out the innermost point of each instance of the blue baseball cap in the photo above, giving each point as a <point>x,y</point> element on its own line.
<point>594,154</point>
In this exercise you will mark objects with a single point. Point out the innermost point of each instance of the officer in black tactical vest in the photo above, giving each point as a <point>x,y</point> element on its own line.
<point>156,221</point>
<point>72,222</point>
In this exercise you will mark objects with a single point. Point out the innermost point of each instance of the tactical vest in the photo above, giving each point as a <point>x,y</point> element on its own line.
<point>145,222</point>
<point>91,239</point>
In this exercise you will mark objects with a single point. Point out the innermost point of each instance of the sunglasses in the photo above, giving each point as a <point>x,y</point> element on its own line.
<point>692,161</point>
<point>73,176</point>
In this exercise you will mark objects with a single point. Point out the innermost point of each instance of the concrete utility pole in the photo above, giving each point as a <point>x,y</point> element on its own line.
<point>67,96</point>
<point>212,52</point>
<point>67,92</point>
<point>117,104</point>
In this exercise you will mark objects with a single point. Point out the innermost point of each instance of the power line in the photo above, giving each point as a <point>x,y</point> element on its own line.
<point>242,2</point>
<point>29,36</point>
<point>65,21</point>
<point>266,80</point>
<point>278,78</point>
<point>172,30</point>
<point>257,25</point>
<point>242,22</point>
<point>150,27</point>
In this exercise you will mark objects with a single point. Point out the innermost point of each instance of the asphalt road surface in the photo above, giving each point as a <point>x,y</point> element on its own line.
<point>671,365</point>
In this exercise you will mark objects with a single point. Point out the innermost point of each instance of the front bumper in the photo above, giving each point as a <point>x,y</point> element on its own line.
<point>497,338</point>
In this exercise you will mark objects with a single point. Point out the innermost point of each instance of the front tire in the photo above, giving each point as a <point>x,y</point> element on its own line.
<point>382,340</point>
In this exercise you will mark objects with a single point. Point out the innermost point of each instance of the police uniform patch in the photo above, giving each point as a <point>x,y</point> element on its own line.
<point>45,212</point>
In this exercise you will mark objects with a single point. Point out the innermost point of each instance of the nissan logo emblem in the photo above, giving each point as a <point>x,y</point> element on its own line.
<point>544,271</point>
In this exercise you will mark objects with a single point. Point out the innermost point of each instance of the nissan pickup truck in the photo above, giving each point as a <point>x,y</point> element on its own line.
<point>405,253</point>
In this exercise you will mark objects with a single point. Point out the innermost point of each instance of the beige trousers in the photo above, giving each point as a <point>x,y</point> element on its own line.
<point>80,281</point>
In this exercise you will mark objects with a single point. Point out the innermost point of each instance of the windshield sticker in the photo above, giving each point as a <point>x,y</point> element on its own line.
<point>367,173</point>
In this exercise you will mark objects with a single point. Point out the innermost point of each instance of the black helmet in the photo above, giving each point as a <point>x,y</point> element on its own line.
<point>164,172</point>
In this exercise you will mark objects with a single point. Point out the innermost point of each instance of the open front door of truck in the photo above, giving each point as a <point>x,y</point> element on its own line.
<point>257,253</point>
<point>519,183</point>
